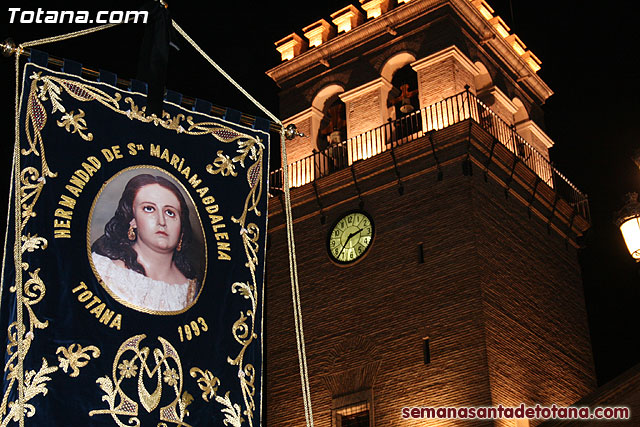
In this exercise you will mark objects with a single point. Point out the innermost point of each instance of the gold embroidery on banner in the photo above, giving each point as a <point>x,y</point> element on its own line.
<point>131,361</point>
<point>27,192</point>
<point>31,184</point>
<point>76,122</point>
<point>244,334</point>
<point>231,411</point>
<point>254,179</point>
<point>28,188</point>
<point>167,122</point>
<point>248,147</point>
<point>75,357</point>
<point>51,88</point>
<point>34,384</point>
<point>31,243</point>
<point>33,292</point>
<point>223,165</point>
<point>208,383</point>
<point>243,328</point>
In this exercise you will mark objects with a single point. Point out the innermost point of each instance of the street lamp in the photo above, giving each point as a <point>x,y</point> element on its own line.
<point>628,219</point>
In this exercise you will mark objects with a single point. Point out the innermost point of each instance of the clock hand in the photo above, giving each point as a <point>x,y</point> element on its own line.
<point>347,241</point>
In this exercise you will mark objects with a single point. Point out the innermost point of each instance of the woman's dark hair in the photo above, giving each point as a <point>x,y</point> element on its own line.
<point>115,243</point>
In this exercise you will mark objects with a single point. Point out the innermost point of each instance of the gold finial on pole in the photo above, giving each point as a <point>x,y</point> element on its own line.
<point>8,47</point>
<point>291,132</point>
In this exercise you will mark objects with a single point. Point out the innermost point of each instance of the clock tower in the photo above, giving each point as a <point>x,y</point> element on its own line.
<point>436,243</point>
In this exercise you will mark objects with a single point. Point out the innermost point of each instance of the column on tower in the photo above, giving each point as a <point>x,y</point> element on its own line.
<point>441,76</point>
<point>299,149</point>
<point>366,110</point>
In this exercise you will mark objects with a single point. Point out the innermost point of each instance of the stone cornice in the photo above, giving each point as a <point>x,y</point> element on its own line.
<point>347,41</point>
<point>503,99</point>
<point>303,115</point>
<point>450,52</point>
<point>532,127</point>
<point>379,83</point>
<point>526,76</point>
<point>400,16</point>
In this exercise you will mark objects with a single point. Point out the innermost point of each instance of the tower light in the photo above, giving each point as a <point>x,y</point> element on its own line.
<point>628,220</point>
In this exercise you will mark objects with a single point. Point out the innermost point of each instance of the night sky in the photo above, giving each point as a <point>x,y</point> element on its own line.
<point>589,57</point>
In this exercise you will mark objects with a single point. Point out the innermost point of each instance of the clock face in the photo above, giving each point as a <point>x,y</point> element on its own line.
<point>350,237</point>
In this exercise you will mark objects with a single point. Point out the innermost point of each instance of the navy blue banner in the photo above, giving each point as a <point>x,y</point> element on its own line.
<point>132,286</point>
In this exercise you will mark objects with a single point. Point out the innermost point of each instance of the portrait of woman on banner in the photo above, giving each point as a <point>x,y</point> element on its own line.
<point>144,257</point>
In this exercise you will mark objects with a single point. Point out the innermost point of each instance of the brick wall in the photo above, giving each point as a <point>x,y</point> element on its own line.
<point>499,298</point>
<point>538,344</point>
<point>387,302</point>
<point>623,390</point>
<point>364,113</point>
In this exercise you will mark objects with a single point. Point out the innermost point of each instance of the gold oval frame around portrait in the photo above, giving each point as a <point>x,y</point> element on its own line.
<point>192,215</point>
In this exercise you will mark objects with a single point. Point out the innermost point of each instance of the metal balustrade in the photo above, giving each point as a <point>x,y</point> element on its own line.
<point>447,112</point>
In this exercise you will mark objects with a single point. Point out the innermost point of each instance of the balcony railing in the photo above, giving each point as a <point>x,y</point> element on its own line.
<point>437,116</point>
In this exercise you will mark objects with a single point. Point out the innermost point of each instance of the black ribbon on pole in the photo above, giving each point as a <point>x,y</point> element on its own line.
<point>154,55</point>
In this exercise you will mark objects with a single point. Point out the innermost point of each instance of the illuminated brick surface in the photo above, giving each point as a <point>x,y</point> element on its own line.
<point>498,295</point>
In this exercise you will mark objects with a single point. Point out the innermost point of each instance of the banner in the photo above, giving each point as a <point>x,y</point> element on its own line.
<point>141,242</point>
